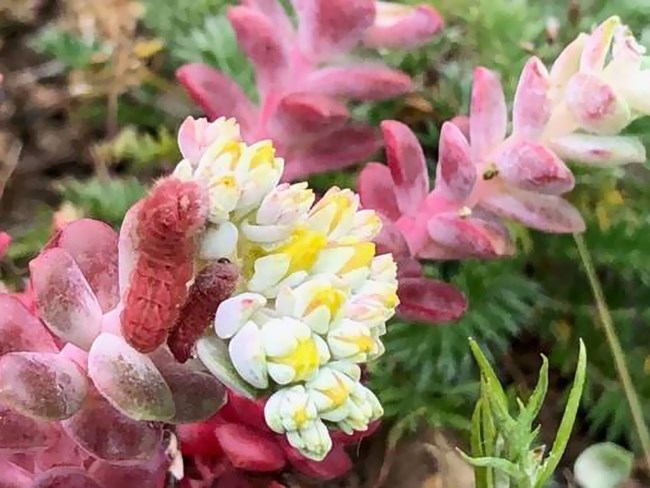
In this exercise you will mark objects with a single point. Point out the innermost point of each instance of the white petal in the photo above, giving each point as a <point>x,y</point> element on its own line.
<point>234,312</point>
<point>269,270</point>
<point>247,355</point>
<point>282,374</point>
<point>219,241</point>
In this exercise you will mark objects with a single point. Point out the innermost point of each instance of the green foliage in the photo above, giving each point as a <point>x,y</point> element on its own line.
<point>142,149</point>
<point>428,370</point>
<point>106,200</point>
<point>198,31</point>
<point>68,48</point>
<point>504,446</point>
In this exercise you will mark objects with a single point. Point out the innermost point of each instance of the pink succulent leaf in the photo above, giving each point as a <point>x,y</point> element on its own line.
<point>329,27</point>
<point>274,10</point>
<point>433,251</point>
<point>249,412</point>
<point>547,213</point>
<point>20,330</point>
<point>336,463</point>
<point>105,433</point>
<point>424,300</point>
<point>13,476</point>
<point>5,242</point>
<point>249,449</point>
<point>21,433</point>
<point>402,27</point>
<point>307,113</point>
<point>64,477</point>
<point>376,190</point>
<point>42,385</point>
<point>364,82</point>
<point>470,236</point>
<point>127,244</point>
<point>197,393</point>
<point>217,94</point>
<point>409,268</point>
<point>596,106</point>
<point>462,122</point>
<point>599,150</point>
<point>66,302</point>
<point>391,240</point>
<point>93,246</point>
<point>532,166</point>
<point>532,108</point>
<point>258,39</point>
<point>151,474</point>
<point>456,173</point>
<point>64,452</point>
<point>597,46</point>
<point>339,149</point>
<point>567,63</point>
<point>129,380</point>
<point>407,165</point>
<point>488,117</point>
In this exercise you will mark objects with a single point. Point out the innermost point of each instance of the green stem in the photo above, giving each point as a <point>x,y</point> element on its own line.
<point>616,349</point>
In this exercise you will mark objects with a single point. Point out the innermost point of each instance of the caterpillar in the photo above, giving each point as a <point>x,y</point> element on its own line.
<point>167,223</point>
<point>216,282</point>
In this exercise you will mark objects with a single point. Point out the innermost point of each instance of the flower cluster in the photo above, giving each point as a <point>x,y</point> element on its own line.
<point>313,298</point>
<point>594,90</point>
<point>303,76</point>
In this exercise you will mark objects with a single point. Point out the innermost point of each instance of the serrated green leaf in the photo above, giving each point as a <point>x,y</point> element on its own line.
<point>536,398</point>
<point>499,464</point>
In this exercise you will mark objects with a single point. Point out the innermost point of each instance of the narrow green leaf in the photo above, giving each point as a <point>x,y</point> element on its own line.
<point>495,386</point>
<point>476,440</point>
<point>537,397</point>
<point>503,465</point>
<point>568,419</point>
<point>489,439</point>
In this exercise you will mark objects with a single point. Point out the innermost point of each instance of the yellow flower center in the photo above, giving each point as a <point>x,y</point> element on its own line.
<point>364,343</point>
<point>264,155</point>
<point>303,249</point>
<point>328,296</point>
<point>391,300</point>
<point>362,257</point>
<point>338,394</point>
<point>303,359</point>
<point>300,417</point>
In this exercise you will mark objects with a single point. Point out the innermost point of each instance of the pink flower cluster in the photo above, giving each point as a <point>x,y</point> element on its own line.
<point>305,74</point>
<point>485,177</point>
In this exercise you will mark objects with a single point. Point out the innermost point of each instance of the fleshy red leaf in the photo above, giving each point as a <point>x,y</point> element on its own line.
<point>197,393</point>
<point>199,439</point>
<point>340,437</point>
<point>258,39</point>
<point>66,302</point>
<point>105,433</point>
<point>456,173</point>
<point>424,300</point>
<point>248,449</point>
<point>361,82</point>
<point>20,330</point>
<point>532,166</point>
<point>328,27</point>
<point>129,380</point>
<point>339,149</point>
<point>13,476</point>
<point>391,240</point>
<point>402,27</point>
<point>307,114</point>
<point>249,412</point>
<point>488,118</point>
<point>93,246</point>
<point>548,213</point>
<point>42,385</point>
<point>470,236</point>
<point>407,165</point>
<point>21,433</point>
<point>376,190</point>
<point>64,477</point>
<point>336,463</point>
<point>531,109</point>
<point>217,94</point>
<point>151,474</point>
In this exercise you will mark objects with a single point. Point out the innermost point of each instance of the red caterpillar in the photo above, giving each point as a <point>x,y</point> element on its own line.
<point>167,222</point>
<point>215,283</point>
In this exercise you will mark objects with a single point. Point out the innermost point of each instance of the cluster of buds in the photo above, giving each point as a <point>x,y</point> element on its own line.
<point>313,297</point>
<point>575,112</point>
<point>303,76</point>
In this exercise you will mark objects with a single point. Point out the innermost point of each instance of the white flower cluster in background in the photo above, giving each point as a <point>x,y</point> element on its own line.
<point>314,298</point>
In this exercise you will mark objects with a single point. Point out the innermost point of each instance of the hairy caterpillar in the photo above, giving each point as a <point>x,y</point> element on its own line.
<point>216,282</point>
<point>167,222</point>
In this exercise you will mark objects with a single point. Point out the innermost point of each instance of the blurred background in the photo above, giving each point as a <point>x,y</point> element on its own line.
<point>88,118</point>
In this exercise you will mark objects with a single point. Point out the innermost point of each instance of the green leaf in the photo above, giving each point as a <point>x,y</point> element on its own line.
<point>213,353</point>
<point>476,441</point>
<point>568,419</point>
<point>503,465</point>
<point>494,386</point>
<point>537,397</point>
<point>603,465</point>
